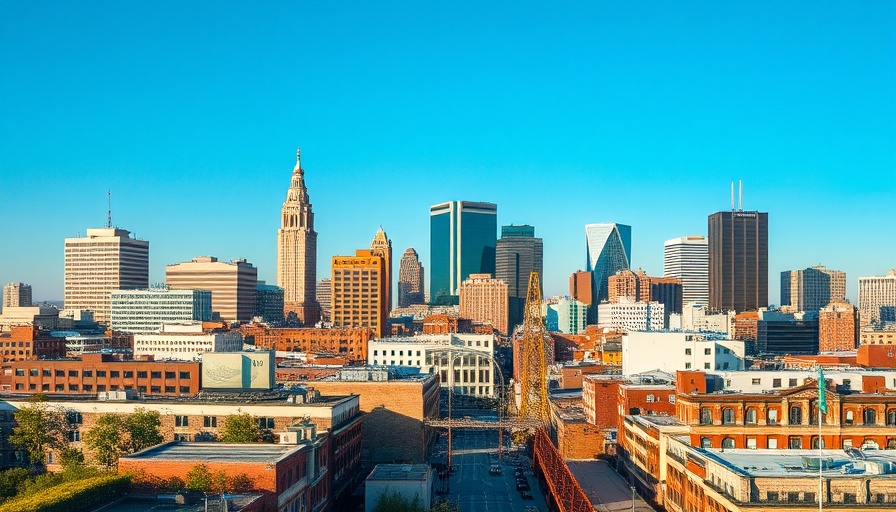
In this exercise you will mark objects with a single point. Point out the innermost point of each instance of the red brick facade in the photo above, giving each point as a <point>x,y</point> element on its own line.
<point>350,343</point>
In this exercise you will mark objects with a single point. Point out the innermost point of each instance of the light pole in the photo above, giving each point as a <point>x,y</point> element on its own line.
<point>633,498</point>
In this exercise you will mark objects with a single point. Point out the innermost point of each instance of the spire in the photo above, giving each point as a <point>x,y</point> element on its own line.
<point>298,168</point>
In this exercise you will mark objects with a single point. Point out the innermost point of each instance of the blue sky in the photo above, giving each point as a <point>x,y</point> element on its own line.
<point>561,113</point>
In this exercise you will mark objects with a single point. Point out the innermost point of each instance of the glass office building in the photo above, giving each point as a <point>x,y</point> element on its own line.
<point>608,249</point>
<point>463,235</point>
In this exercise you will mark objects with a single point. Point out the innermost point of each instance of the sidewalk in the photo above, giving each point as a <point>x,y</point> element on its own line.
<point>607,491</point>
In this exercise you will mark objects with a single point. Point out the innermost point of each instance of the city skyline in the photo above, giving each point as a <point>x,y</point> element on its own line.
<point>559,129</point>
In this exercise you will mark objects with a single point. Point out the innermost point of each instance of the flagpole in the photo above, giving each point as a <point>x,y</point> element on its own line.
<point>822,407</point>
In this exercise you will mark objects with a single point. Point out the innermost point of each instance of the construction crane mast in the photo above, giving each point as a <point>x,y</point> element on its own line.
<point>536,347</point>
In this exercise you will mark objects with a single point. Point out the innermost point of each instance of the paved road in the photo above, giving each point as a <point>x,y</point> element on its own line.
<point>475,490</point>
<point>607,491</point>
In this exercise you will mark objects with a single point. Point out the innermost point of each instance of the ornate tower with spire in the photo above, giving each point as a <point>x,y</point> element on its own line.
<point>382,247</point>
<point>297,251</point>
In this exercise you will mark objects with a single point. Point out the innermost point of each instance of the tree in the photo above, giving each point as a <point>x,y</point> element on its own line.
<point>107,439</point>
<point>241,483</point>
<point>199,478</point>
<point>12,481</point>
<point>240,428</point>
<point>143,428</point>
<point>39,428</point>
<point>220,482</point>
<point>395,502</point>
<point>70,458</point>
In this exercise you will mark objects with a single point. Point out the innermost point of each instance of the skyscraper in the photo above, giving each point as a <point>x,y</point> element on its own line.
<point>325,298</point>
<point>234,285</point>
<point>877,299</point>
<point>106,259</point>
<point>813,288</point>
<point>16,295</point>
<point>687,258</point>
<point>608,249</point>
<point>382,247</point>
<point>297,250</point>
<point>462,242</point>
<point>518,254</point>
<point>145,311</point>
<point>738,261</point>
<point>410,279</point>
<point>358,287</point>
<point>838,327</point>
<point>484,299</point>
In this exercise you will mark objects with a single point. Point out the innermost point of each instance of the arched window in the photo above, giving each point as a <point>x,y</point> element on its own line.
<point>705,442</point>
<point>796,415</point>
<point>815,442</point>
<point>869,416</point>
<point>705,416</point>
<point>848,418</point>
<point>891,417</point>
<point>727,416</point>
<point>728,443</point>
<point>891,444</point>
<point>750,416</point>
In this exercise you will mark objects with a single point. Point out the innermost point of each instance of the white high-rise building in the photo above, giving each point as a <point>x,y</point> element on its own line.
<point>105,260</point>
<point>687,258</point>
<point>185,341</point>
<point>632,316</point>
<point>145,311</point>
<point>16,295</point>
<point>877,299</point>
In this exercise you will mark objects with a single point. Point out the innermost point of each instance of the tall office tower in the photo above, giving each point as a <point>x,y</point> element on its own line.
<point>144,311</point>
<point>297,251</point>
<point>16,295</point>
<point>325,298</point>
<point>628,286</point>
<point>877,299</point>
<point>462,237</point>
<point>359,284</point>
<point>382,247</point>
<point>106,259</point>
<point>580,287</point>
<point>410,279</point>
<point>233,285</point>
<point>838,327</point>
<point>608,249</point>
<point>485,299</point>
<point>518,254</point>
<point>813,288</point>
<point>687,258</point>
<point>738,261</point>
<point>269,303</point>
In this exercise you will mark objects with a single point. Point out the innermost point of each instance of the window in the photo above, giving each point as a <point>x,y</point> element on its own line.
<point>155,389</point>
<point>869,416</point>
<point>728,443</point>
<point>772,496</point>
<point>671,399</point>
<point>181,421</point>
<point>848,418</point>
<point>891,417</point>
<point>74,435</point>
<point>114,374</point>
<point>88,388</point>
<point>265,422</point>
<point>750,416</point>
<point>155,375</point>
<point>795,443</point>
<point>687,351</point>
<point>727,416</point>
<point>705,416</point>
<point>651,399</point>
<point>792,382</point>
<point>772,417</point>
<point>169,375</point>
<point>687,366</point>
<point>757,382</point>
<point>705,442</point>
<point>210,421</point>
<point>706,366</point>
<point>776,383</point>
<point>796,415</point>
<point>60,373</point>
<point>20,372</point>
<point>772,443</point>
<point>141,374</point>
<point>707,351</point>
<point>75,417</point>
<point>809,497</point>
<point>185,389</point>
<point>793,497</point>
<point>101,373</point>
<point>184,375</point>
<point>129,374</point>
<point>45,372</point>
<point>169,389</point>
<point>72,387</point>
<point>100,387</point>
<point>751,443</point>
<point>73,373</point>
<point>815,443</point>
<point>87,373</point>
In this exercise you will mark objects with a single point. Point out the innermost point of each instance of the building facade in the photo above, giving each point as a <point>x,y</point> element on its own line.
<point>687,258</point>
<point>738,261</point>
<point>358,288</point>
<point>632,316</point>
<point>608,249</point>
<point>185,341</point>
<point>463,235</point>
<point>674,351</point>
<point>569,316</point>
<point>484,299</point>
<point>27,342</point>
<point>325,298</point>
<point>16,295</point>
<point>838,327</point>
<point>144,311</point>
<point>813,288</point>
<point>297,251</point>
<point>269,303</point>
<point>877,299</point>
<point>410,279</point>
<point>349,342</point>
<point>517,255</point>
<point>381,246</point>
<point>233,285</point>
<point>106,259</point>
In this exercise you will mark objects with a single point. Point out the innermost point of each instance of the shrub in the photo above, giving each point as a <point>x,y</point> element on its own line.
<point>77,496</point>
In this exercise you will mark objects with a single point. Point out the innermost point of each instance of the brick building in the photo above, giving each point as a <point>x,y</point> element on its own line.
<point>838,327</point>
<point>446,324</point>
<point>98,373</point>
<point>25,342</point>
<point>574,436</point>
<point>642,445</point>
<point>348,342</point>
<point>359,291</point>
<point>484,299</point>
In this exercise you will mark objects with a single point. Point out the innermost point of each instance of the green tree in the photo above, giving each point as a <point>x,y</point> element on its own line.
<point>143,429</point>
<point>241,483</point>
<point>240,428</point>
<point>445,506</point>
<point>220,482</point>
<point>395,502</point>
<point>107,439</point>
<point>12,481</point>
<point>70,458</point>
<point>199,478</point>
<point>39,428</point>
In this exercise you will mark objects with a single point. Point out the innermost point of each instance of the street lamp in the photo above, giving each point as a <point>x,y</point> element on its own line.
<point>633,498</point>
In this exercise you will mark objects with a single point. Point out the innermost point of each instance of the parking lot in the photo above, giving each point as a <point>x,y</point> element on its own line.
<point>475,489</point>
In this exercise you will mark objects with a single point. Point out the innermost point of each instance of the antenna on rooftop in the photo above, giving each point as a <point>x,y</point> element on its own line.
<point>740,206</point>
<point>109,211</point>
<point>732,196</point>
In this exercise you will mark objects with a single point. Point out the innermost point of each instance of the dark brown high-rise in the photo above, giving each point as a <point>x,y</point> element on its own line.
<point>738,260</point>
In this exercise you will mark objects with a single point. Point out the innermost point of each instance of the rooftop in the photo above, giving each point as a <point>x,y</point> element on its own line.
<point>415,472</point>
<point>796,463</point>
<point>217,452</point>
<point>657,420</point>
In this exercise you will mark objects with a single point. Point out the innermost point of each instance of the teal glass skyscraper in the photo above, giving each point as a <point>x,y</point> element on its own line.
<point>462,239</point>
<point>608,249</point>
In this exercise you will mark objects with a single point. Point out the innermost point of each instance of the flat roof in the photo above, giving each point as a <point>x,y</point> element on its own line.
<point>415,472</point>
<point>216,452</point>
<point>791,463</point>
<point>658,420</point>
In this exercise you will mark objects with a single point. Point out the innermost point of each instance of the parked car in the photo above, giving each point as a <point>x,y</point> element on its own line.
<point>522,485</point>
<point>526,495</point>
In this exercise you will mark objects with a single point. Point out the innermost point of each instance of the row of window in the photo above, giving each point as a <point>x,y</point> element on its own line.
<point>114,374</point>
<point>264,422</point>
<point>869,416</point>
<point>793,443</point>
<point>89,388</point>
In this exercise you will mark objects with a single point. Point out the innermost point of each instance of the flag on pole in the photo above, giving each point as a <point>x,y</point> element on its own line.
<point>822,399</point>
